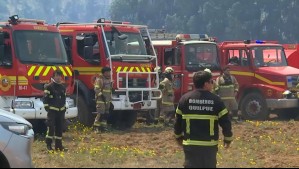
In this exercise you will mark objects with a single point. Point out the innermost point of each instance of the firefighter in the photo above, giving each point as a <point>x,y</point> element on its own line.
<point>209,71</point>
<point>156,94</point>
<point>227,87</point>
<point>198,115</point>
<point>166,87</point>
<point>103,89</point>
<point>54,103</point>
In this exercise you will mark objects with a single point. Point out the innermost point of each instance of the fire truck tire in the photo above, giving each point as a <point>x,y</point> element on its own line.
<point>288,114</point>
<point>122,120</point>
<point>85,117</point>
<point>254,107</point>
<point>150,116</point>
<point>39,126</point>
<point>128,119</point>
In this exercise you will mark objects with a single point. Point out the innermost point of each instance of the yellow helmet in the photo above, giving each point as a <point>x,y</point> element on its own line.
<point>168,70</point>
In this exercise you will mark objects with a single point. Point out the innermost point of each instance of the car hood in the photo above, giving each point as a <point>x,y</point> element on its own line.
<point>284,71</point>
<point>6,116</point>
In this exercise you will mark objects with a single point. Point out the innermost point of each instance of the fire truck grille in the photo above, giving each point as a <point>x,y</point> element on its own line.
<point>135,83</point>
<point>136,96</point>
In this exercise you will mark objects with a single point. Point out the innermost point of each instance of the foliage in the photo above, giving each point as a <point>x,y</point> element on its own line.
<point>54,11</point>
<point>227,20</point>
<point>257,144</point>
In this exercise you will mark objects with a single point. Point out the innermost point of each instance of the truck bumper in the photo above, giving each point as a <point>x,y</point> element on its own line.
<point>282,103</point>
<point>33,108</point>
<point>144,105</point>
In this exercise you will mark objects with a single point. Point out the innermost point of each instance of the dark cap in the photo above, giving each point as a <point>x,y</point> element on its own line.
<point>57,72</point>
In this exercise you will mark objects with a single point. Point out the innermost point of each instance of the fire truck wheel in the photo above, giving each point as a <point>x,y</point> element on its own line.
<point>85,117</point>
<point>254,107</point>
<point>150,116</point>
<point>128,119</point>
<point>39,126</point>
<point>288,114</point>
<point>122,120</point>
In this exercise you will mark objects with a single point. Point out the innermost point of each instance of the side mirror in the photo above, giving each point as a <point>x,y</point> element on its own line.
<point>1,47</point>
<point>67,41</point>
<point>1,53</point>
<point>1,38</point>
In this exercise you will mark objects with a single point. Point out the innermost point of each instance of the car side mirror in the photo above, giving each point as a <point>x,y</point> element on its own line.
<point>1,38</point>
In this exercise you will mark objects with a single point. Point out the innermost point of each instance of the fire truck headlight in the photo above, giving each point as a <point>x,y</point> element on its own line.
<point>21,104</point>
<point>71,103</point>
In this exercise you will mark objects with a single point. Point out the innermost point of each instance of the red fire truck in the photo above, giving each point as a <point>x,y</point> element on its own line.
<point>128,51</point>
<point>186,54</point>
<point>30,50</point>
<point>292,54</point>
<point>267,83</point>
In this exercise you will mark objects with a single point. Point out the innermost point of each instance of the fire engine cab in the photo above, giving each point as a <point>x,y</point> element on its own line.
<point>128,51</point>
<point>267,83</point>
<point>186,54</point>
<point>30,51</point>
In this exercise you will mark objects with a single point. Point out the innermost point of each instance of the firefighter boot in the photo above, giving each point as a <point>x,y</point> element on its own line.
<point>58,145</point>
<point>49,144</point>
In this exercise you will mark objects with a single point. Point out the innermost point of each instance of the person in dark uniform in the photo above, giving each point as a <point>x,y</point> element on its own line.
<point>198,115</point>
<point>54,103</point>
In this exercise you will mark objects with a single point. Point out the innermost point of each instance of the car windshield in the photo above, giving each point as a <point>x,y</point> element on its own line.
<point>40,47</point>
<point>269,56</point>
<point>200,56</point>
<point>133,46</point>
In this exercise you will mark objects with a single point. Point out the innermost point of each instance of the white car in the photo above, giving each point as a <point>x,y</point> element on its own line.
<point>16,139</point>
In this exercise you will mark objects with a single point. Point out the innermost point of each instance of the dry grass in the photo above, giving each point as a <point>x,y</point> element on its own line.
<point>256,144</point>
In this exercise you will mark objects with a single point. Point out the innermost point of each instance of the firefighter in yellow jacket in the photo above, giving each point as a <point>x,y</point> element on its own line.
<point>103,89</point>
<point>227,87</point>
<point>166,87</point>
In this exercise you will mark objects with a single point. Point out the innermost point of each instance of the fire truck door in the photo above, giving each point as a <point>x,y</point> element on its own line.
<point>240,65</point>
<point>172,58</point>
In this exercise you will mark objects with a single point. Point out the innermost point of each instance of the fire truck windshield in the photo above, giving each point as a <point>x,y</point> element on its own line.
<point>133,47</point>
<point>40,47</point>
<point>268,56</point>
<point>200,56</point>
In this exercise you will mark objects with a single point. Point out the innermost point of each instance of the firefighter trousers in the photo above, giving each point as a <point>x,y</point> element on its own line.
<point>101,120</point>
<point>55,121</point>
<point>200,156</point>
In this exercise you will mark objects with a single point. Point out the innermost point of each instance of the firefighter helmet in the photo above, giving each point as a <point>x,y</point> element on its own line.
<point>208,70</point>
<point>168,70</point>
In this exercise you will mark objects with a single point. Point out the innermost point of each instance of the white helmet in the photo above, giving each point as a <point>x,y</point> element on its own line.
<point>208,70</point>
<point>168,70</point>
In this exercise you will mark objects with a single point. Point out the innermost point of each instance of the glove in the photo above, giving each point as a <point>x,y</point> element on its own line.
<point>111,107</point>
<point>47,109</point>
<point>226,144</point>
<point>179,141</point>
<point>103,98</point>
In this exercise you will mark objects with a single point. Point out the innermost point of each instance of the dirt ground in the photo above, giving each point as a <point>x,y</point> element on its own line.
<point>256,144</point>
